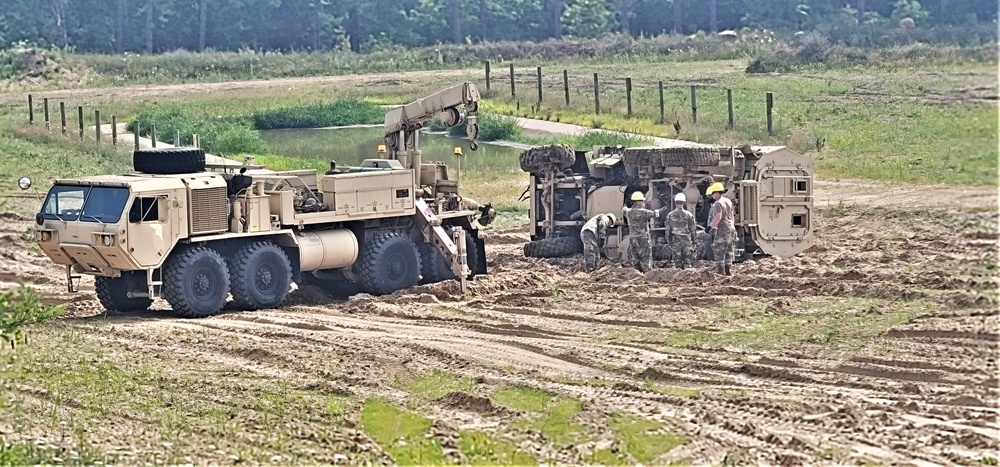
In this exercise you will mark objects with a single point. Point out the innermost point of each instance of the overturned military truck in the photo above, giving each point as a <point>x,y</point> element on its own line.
<point>770,186</point>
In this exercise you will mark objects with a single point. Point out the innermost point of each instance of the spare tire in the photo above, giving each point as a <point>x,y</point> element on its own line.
<point>166,161</point>
<point>559,155</point>
<point>553,247</point>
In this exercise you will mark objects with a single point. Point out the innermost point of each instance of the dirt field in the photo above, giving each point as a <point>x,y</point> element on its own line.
<point>878,345</point>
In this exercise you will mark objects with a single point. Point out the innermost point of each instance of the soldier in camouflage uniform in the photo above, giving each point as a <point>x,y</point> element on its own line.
<point>593,235</point>
<point>640,247</point>
<point>681,232</point>
<point>722,226</point>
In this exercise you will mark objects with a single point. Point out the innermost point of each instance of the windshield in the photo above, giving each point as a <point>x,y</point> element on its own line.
<point>88,204</point>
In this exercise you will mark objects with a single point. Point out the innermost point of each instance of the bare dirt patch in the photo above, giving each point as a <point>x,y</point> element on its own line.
<point>878,345</point>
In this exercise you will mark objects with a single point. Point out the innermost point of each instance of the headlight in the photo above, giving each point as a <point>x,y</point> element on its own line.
<point>104,239</point>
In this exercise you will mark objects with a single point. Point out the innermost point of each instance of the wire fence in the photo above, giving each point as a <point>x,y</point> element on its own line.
<point>607,92</point>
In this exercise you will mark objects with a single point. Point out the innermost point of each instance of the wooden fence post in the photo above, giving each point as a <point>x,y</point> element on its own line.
<point>729,101</point>
<point>770,105</point>
<point>45,105</point>
<point>31,110</point>
<point>62,116</point>
<point>487,76</point>
<point>152,133</point>
<point>566,85</point>
<point>694,106</point>
<point>663,116</point>
<point>513,93</point>
<point>628,96</point>
<point>97,126</point>
<point>135,135</point>
<point>114,130</point>
<point>539,73</point>
<point>597,96</point>
<point>177,137</point>
<point>79,116</point>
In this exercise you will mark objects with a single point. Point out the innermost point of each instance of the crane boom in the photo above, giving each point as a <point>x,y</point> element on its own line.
<point>402,123</point>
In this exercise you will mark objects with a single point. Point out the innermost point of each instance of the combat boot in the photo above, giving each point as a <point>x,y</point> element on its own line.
<point>720,270</point>
<point>729,269</point>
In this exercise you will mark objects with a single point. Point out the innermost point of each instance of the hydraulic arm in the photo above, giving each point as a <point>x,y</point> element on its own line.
<point>403,123</point>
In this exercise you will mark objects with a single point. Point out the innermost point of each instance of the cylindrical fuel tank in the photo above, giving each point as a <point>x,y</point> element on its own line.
<point>327,249</point>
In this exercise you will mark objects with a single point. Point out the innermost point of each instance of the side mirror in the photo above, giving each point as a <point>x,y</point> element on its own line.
<point>24,183</point>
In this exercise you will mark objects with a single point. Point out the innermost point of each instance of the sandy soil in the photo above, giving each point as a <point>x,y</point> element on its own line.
<point>921,392</point>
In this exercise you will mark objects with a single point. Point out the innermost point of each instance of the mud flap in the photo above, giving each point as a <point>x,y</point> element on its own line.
<point>776,207</point>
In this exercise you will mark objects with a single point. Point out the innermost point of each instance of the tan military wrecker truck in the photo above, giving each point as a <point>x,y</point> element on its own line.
<point>176,230</point>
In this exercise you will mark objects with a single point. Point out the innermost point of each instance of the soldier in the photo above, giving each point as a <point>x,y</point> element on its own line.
<point>681,232</point>
<point>640,248</point>
<point>720,224</point>
<point>593,236</point>
<point>333,168</point>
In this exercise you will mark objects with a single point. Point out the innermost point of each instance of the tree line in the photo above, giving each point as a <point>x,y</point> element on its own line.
<point>151,26</point>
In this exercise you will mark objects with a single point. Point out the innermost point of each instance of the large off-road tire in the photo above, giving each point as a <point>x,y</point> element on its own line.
<point>388,263</point>
<point>196,282</point>
<point>553,247</point>
<point>164,161</point>
<point>261,275</point>
<point>671,157</point>
<point>112,292</point>
<point>434,268</point>
<point>559,155</point>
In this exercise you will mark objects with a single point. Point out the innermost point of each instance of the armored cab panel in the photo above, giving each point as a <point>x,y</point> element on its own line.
<point>776,206</point>
<point>606,200</point>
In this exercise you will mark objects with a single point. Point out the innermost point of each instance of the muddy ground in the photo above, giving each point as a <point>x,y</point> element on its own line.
<point>877,345</point>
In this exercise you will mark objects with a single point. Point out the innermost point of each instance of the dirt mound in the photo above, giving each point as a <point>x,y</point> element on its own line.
<point>34,66</point>
<point>464,401</point>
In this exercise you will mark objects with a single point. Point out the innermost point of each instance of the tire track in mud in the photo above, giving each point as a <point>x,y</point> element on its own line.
<point>926,390</point>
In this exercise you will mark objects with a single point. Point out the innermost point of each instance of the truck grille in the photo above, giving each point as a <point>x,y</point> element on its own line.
<point>209,210</point>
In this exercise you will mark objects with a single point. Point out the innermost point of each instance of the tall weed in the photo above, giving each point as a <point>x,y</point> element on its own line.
<point>18,308</point>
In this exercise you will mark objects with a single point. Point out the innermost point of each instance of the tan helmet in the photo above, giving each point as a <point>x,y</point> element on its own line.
<point>638,196</point>
<point>715,187</point>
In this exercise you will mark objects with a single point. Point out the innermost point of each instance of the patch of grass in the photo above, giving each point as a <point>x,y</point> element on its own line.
<point>481,448</point>
<point>833,327</point>
<point>336,113</point>
<point>645,440</point>
<point>672,390</point>
<point>585,141</point>
<point>219,134</point>
<point>21,307</point>
<point>438,383</point>
<point>400,433</point>
<point>74,388</point>
<point>551,414</point>
<point>32,453</point>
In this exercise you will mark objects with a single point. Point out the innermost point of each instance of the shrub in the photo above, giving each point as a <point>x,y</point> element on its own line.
<point>492,127</point>
<point>20,307</point>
